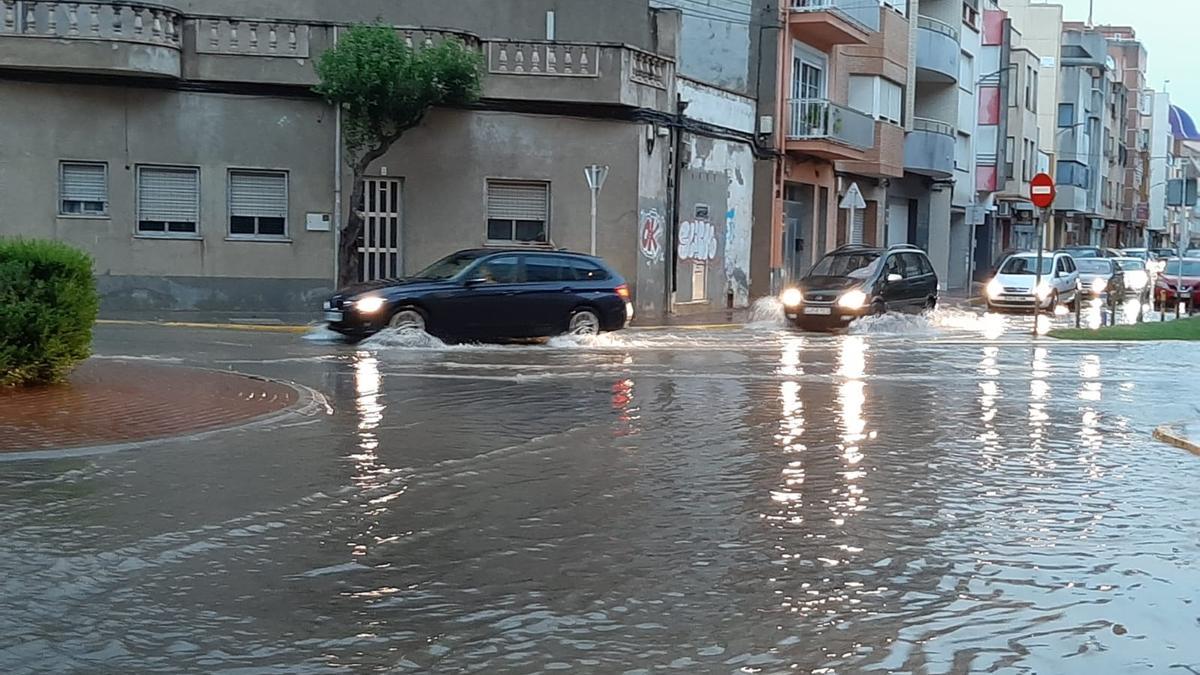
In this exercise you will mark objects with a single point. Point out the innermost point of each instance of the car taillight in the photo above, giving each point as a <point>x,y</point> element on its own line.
<point>623,291</point>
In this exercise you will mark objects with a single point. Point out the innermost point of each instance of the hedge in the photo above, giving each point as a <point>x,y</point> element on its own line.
<point>48,303</point>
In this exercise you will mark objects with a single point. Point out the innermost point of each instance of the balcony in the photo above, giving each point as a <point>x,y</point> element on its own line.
<point>885,159</point>
<point>929,148</point>
<point>938,51</point>
<point>825,24</point>
<point>116,37</point>
<point>578,73</point>
<point>827,130</point>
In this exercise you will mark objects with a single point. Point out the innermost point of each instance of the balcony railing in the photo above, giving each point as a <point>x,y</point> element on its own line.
<point>551,59</point>
<point>135,22</point>
<point>864,12</point>
<point>932,126</point>
<point>937,26</point>
<point>816,119</point>
<point>252,38</point>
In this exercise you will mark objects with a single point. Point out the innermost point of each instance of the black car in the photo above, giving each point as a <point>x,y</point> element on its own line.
<point>855,281</point>
<point>490,294</point>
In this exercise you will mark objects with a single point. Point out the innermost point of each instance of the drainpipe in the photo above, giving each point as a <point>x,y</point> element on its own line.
<point>337,181</point>
<point>672,260</point>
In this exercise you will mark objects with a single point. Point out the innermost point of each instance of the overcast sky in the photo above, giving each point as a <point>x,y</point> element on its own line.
<point>1162,26</point>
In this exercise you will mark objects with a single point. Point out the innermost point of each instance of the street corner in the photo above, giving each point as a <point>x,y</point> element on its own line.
<point>115,404</point>
<point>1183,435</point>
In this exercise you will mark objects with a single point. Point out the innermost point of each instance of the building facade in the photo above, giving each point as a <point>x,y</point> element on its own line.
<point>183,147</point>
<point>1080,164</point>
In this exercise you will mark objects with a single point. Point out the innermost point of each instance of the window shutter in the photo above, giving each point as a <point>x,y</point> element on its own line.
<point>84,183</point>
<point>518,201</point>
<point>168,195</point>
<point>258,195</point>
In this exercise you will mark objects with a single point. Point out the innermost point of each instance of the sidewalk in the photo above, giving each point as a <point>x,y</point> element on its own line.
<point>109,402</point>
<point>1183,435</point>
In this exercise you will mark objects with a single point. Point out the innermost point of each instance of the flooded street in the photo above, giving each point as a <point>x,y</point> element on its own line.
<point>941,495</point>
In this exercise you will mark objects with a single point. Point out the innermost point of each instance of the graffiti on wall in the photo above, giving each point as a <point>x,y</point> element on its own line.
<point>697,240</point>
<point>650,236</point>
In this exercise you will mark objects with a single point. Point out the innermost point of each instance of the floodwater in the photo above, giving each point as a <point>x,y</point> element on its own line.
<point>929,495</point>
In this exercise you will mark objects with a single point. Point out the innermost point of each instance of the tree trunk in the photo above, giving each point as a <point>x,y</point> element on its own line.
<point>349,260</point>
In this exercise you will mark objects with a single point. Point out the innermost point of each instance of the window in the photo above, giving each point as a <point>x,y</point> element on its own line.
<point>83,189</point>
<point>962,153</point>
<point>544,268</point>
<point>1010,156</point>
<point>970,16</point>
<point>583,270</point>
<point>258,203</point>
<point>1066,115</point>
<point>1033,74</point>
<point>518,211</point>
<point>1073,174</point>
<point>878,97</point>
<point>502,270</point>
<point>912,265</point>
<point>168,200</point>
<point>966,71</point>
<point>1013,85</point>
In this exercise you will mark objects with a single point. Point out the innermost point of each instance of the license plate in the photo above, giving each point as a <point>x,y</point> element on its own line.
<point>818,311</point>
<point>335,317</point>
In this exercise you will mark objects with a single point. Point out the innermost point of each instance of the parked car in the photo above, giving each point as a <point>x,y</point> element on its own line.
<point>1171,288</point>
<point>1013,288</point>
<point>1164,253</point>
<point>1089,252</point>
<point>1138,276</point>
<point>489,294</point>
<point>855,281</point>
<point>1101,277</point>
<point>1150,256</point>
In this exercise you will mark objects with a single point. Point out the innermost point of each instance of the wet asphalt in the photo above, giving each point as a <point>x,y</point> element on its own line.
<point>925,495</point>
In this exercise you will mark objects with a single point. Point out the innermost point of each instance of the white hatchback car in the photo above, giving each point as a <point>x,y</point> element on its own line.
<point>1013,287</point>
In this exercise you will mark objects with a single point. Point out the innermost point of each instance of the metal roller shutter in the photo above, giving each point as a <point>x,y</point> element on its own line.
<point>84,183</point>
<point>168,195</point>
<point>258,195</point>
<point>518,201</point>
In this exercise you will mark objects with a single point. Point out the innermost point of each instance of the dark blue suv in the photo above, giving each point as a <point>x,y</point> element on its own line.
<point>490,294</point>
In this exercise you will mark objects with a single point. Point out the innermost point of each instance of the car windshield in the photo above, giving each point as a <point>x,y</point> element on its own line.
<point>1026,265</point>
<point>1137,253</point>
<point>449,266</point>
<point>1094,266</point>
<point>1083,252</point>
<point>1130,264</point>
<point>853,265</point>
<point>1191,268</point>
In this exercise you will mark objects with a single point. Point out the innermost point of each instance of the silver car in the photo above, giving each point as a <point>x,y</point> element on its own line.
<point>1101,277</point>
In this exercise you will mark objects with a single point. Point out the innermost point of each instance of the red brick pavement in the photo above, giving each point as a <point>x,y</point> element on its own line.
<point>108,402</point>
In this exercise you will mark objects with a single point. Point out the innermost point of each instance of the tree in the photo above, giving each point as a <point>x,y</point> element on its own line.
<point>384,88</point>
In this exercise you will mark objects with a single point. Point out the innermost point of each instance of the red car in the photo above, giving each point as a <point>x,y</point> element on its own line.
<point>1170,288</point>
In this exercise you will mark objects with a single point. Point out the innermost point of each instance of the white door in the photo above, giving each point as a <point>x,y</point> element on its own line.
<point>699,281</point>
<point>380,245</point>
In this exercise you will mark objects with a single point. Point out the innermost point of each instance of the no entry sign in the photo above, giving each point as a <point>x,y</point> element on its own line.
<point>1041,191</point>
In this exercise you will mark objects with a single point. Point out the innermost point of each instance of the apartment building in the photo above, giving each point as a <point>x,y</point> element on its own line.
<point>1158,126</point>
<point>181,145</point>
<point>1080,165</point>
<point>1015,214</point>
<point>1134,101</point>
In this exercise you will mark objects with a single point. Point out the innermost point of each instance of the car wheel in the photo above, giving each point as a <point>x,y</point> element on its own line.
<point>584,322</point>
<point>408,319</point>
<point>930,304</point>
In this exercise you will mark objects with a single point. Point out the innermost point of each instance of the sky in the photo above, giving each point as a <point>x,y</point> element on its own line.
<point>1161,26</point>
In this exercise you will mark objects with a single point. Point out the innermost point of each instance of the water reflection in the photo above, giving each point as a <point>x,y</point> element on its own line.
<point>371,476</point>
<point>852,398</point>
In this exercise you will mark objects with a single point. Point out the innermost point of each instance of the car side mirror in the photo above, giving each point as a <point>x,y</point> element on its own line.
<point>893,278</point>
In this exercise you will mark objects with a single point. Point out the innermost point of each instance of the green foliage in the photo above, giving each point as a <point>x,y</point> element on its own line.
<point>385,87</point>
<point>1183,329</point>
<point>48,304</point>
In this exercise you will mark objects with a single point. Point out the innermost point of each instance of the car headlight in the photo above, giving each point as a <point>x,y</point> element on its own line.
<point>791,297</point>
<point>995,289</point>
<point>1043,291</point>
<point>1136,280</point>
<point>852,300</point>
<point>369,305</point>
<point>1099,286</point>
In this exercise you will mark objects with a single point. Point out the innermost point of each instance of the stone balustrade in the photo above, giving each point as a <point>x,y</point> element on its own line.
<point>651,69</point>
<point>552,59</point>
<point>116,21</point>
<point>246,37</point>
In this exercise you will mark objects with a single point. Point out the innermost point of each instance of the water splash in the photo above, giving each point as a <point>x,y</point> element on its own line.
<point>406,338</point>
<point>322,333</point>
<point>766,313</point>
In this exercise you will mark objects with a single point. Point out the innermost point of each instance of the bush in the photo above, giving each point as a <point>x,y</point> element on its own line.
<point>48,304</point>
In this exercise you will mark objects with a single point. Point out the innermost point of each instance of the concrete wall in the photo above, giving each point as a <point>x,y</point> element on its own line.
<point>715,43</point>
<point>125,127</point>
<point>446,162</point>
<point>575,20</point>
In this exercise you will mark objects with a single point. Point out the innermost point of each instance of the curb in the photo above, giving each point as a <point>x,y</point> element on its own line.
<point>692,326</point>
<point>1168,434</point>
<point>309,405</point>
<point>258,328</point>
